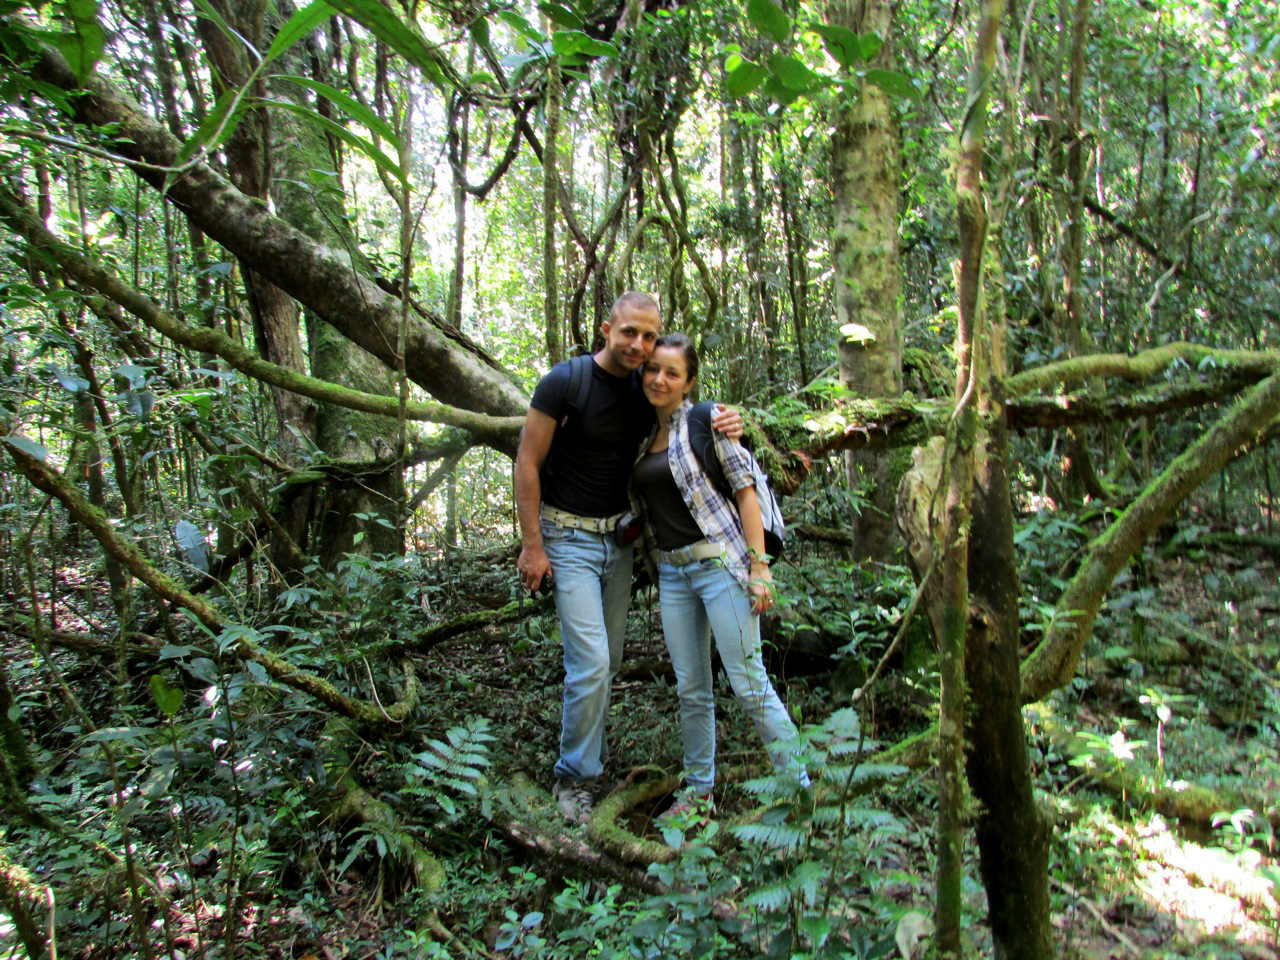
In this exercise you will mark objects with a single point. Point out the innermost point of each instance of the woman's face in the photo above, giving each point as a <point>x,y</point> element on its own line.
<point>666,378</point>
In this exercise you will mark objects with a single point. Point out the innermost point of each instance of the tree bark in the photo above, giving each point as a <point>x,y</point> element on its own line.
<point>550,179</point>
<point>866,172</point>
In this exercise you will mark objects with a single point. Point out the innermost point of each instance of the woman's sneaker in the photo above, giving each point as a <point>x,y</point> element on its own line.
<point>690,807</point>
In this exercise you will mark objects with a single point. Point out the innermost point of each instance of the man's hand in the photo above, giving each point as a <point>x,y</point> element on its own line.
<point>533,565</point>
<point>728,421</point>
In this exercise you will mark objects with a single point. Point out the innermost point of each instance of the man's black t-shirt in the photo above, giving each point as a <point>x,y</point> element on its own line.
<point>591,456</point>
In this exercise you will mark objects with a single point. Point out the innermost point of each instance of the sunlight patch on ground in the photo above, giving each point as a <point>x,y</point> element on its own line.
<point>1205,889</point>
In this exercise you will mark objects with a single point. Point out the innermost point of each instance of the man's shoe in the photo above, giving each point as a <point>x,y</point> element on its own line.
<point>574,799</point>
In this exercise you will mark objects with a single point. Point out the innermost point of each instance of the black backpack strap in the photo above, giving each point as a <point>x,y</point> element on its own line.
<point>579,386</point>
<point>704,447</point>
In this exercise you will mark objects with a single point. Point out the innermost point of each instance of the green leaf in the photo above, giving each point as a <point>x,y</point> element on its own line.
<point>769,18</point>
<point>207,11</point>
<point>744,77</point>
<point>842,43</point>
<point>133,376</point>
<point>561,16</point>
<point>398,35</point>
<point>350,106</point>
<point>73,384</point>
<point>346,136</point>
<point>480,31</point>
<point>194,547</point>
<point>568,42</point>
<point>775,89</point>
<point>600,48</point>
<point>28,446</point>
<point>298,26</point>
<point>118,733</point>
<point>84,44</point>
<point>167,698</point>
<point>521,26</point>
<point>794,74</point>
<point>892,83</point>
<point>870,44</point>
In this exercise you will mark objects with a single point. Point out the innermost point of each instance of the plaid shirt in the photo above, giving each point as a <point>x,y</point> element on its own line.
<point>716,517</point>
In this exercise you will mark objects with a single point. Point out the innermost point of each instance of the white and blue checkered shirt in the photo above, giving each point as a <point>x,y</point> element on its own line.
<point>716,516</point>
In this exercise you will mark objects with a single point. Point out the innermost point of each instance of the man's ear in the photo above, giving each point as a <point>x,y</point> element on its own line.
<point>604,329</point>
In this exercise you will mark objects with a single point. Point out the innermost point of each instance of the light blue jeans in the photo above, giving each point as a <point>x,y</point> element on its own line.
<point>592,588</point>
<point>702,599</point>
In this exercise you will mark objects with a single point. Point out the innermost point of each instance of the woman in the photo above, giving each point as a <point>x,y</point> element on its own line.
<point>712,573</point>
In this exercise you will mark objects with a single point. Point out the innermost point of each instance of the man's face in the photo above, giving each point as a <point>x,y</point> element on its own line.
<point>629,337</point>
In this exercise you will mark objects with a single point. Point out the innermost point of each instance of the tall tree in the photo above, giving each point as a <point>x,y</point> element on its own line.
<point>866,170</point>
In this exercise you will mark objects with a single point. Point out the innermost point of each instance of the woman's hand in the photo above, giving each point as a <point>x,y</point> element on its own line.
<point>764,595</point>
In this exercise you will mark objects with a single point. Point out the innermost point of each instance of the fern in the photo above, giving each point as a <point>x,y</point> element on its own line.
<point>773,836</point>
<point>771,898</point>
<point>806,879</point>
<point>454,766</point>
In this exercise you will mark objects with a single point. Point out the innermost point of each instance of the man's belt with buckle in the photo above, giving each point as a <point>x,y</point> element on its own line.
<point>563,518</point>
<point>702,550</point>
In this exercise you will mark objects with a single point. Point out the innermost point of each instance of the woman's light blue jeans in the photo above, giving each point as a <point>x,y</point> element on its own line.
<point>702,599</point>
<point>592,588</point>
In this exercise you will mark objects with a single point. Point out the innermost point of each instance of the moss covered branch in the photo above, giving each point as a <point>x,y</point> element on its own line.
<point>1142,366</point>
<point>1054,661</point>
<point>498,431</point>
<point>100,527</point>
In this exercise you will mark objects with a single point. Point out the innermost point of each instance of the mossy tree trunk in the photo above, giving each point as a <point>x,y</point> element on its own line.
<point>866,168</point>
<point>1054,661</point>
<point>287,160</point>
<point>277,320</point>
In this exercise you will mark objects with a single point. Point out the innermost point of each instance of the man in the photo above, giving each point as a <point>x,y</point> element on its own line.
<point>568,512</point>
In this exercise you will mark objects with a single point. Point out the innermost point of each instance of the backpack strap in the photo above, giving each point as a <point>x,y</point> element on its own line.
<point>704,447</point>
<point>579,386</point>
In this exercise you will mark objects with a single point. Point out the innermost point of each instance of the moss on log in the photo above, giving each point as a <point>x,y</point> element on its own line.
<point>357,804</point>
<point>1142,366</point>
<point>1054,661</point>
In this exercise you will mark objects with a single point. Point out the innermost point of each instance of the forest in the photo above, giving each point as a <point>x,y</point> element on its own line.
<point>994,286</point>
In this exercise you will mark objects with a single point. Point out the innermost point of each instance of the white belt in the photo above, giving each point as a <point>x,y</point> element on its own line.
<point>702,550</point>
<point>563,518</point>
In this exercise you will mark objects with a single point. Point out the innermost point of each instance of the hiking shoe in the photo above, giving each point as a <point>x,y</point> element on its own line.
<point>574,799</point>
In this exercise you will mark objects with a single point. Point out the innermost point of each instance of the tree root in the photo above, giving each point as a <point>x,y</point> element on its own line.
<point>359,805</point>
<point>529,816</point>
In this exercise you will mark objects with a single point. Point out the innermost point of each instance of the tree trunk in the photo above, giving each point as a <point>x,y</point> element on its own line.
<point>550,177</point>
<point>866,170</point>
<point>1012,836</point>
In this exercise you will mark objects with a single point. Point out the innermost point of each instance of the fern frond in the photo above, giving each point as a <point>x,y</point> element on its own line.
<point>770,899</point>
<point>774,836</point>
<point>806,878</point>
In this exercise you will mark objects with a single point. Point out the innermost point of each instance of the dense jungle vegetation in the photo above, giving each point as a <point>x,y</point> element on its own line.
<point>995,286</point>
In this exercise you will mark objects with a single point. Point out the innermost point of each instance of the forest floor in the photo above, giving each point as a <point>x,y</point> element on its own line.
<point>1179,690</point>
